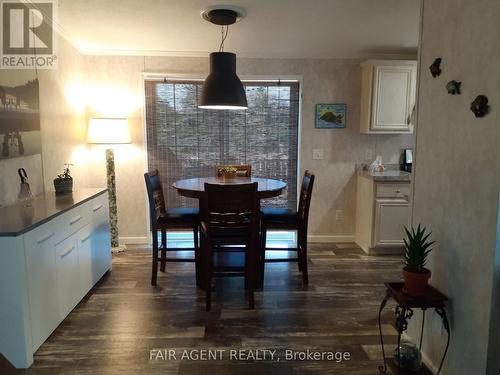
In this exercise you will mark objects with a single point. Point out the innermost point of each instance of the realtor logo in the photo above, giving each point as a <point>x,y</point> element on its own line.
<point>28,39</point>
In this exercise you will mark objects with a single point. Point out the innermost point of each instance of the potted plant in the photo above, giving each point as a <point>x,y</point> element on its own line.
<point>417,248</point>
<point>64,182</point>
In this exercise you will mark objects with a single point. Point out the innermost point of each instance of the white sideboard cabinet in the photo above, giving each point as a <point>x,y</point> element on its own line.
<point>51,255</point>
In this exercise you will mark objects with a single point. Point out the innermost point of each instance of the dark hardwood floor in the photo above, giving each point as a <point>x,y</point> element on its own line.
<point>124,321</point>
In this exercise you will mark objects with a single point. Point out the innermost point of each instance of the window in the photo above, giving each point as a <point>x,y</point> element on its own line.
<point>184,141</point>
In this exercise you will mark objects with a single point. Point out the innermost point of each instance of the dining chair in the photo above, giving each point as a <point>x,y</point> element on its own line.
<point>230,216</point>
<point>241,170</point>
<point>163,219</point>
<point>286,219</point>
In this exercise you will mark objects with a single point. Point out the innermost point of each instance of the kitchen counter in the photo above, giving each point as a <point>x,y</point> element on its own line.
<point>387,176</point>
<point>16,220</point>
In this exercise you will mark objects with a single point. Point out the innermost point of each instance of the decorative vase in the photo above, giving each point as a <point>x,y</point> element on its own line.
<point>63,185</point>
<point>409,358</point>
<point>416,283</point>
<point>230,175</point>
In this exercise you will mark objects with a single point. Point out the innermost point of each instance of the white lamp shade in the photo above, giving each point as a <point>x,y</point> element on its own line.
<point>108,131</point>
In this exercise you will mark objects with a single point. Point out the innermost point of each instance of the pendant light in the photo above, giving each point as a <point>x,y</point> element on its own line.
<point>222,88</point>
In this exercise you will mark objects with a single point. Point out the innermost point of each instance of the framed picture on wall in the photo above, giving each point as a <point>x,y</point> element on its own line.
<point>20,119</point>
<point>331,116</point>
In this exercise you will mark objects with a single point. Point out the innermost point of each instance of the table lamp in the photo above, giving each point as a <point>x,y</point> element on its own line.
<point>110,131</point>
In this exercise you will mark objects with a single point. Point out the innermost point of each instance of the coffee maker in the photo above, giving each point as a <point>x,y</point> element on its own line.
<point>407,160</point>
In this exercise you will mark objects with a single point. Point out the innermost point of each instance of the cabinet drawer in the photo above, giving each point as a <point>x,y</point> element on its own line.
<point>72,221</point>
<point>99,207</point>
<point>393,191</point>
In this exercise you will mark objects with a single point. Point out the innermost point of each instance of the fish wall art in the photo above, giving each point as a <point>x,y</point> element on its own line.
<point>331,116</point>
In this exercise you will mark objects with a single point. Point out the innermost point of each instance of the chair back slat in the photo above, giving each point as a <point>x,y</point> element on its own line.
<point>241,170</point>
<point>230,206</point>
<point>305,196</point>
<point>155,196</point>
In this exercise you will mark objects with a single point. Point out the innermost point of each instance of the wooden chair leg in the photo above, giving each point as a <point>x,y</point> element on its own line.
<point>251,271</point>
<point>262,260</point>
<point>197,255</point>
<point>208,274</point>
<point>154,272</point>
<point>163,249</point>
<point>303,250</point>
<point>299,250</point>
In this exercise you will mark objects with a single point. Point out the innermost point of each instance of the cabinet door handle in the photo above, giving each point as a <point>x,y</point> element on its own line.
<point>67,252</point>
<point>97,208</point>
<point>43,239</point>
<point>86,238</point>
<point>75,220</point>
<point>398,191</point>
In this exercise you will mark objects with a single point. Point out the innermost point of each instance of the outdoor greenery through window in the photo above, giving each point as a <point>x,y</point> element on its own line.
<point>184,141</point>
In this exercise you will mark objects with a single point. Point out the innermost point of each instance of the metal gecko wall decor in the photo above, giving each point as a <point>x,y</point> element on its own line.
<point>435,67</point>
<point>480,106</point>
<point>453,87</point>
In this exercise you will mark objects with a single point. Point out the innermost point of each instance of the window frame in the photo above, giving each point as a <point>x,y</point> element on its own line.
<point>158,76</point>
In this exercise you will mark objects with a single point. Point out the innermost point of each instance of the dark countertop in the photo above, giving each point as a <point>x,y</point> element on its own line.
<point>16,220</point>
<point>387,176</point>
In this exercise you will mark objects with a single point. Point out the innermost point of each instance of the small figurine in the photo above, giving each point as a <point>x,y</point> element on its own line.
<point>435,68</point>
<point>480,106</point>
<point>453,87</point>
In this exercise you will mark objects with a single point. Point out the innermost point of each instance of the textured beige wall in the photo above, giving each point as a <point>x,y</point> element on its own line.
<point>63,117</point>
<point>323,81</point>
<point>457,175</point>
<point>62,122</point>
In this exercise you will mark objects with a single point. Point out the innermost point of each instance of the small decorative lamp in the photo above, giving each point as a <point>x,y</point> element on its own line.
<point>110,131</point>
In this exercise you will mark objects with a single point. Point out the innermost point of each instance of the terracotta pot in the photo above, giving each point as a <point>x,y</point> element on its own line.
<point>416,283</point>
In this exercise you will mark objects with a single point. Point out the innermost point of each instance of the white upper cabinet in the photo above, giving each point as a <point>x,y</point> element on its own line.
<point>388,90</point>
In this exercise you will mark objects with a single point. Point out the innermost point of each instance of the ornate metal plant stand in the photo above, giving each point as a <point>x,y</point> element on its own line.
<point>432,299</point>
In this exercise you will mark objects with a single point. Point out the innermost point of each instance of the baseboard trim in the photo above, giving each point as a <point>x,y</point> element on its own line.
<point>134,240</point>
<point>330,239</point>
<point>312,238</point>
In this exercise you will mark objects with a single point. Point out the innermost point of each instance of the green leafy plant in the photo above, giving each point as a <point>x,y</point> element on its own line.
<point>417,248</point>
<point>66,172</point>
<point>228,169</point>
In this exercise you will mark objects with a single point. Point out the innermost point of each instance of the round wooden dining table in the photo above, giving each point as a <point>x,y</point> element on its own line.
<point>195,187</point>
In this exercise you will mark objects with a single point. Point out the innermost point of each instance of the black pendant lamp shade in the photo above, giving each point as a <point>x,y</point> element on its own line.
<point>222,88</point>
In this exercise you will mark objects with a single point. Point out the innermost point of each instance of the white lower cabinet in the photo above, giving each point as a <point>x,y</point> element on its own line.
<point>382,211</point>
<point>391,215</point>
<point>68,275</point>
<point>100,234</point>
<point>42,283</point>
<point>46,271</point>
<point>85,259</point>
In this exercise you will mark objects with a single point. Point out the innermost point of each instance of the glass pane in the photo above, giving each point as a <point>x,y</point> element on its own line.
<point>185,141</point>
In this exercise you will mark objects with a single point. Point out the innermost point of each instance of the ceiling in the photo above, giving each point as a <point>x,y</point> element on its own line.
<point>271,28</point>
